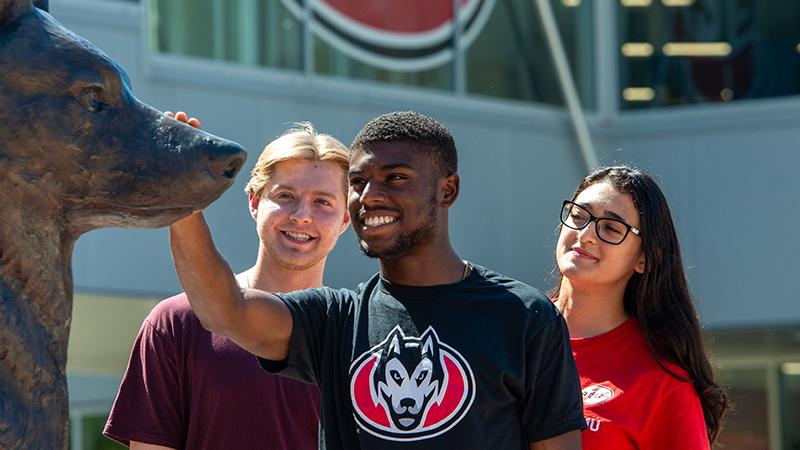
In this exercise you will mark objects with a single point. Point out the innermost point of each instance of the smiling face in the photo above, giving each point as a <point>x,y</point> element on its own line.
<point>393,199</point>
<point>586,260</point>
<point>301,213</point>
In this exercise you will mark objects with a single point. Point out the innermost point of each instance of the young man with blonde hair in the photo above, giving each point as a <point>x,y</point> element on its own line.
<point>188,388</point>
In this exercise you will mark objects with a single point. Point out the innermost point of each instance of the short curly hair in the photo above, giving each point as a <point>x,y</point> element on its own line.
<point>413,127</point>
<point>299,142</point>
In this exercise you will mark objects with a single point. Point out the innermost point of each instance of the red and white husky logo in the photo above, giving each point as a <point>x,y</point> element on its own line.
<point>410,388</point>
<point>402,35</point>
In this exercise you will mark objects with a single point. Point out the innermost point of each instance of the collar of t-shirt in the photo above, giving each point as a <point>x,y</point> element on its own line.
<point>618,333</point>
<point>405,290</point>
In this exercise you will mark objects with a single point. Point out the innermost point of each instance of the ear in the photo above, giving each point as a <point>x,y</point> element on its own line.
<point>253,200</point>
<point>640,263</point>
<point>430,343</point>
<point>345,222</point>
<point>394,342</point>
<point>11,9</point>
<point>394,345</point>
<point>449,188</point>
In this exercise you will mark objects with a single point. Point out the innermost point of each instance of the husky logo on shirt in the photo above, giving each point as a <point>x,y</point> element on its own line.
<point>410,388</point>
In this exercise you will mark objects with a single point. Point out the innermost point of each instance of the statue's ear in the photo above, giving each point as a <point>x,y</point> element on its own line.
<point>11,9</point>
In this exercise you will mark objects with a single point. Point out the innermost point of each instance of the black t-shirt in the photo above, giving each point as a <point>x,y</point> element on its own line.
<point>480,364</point>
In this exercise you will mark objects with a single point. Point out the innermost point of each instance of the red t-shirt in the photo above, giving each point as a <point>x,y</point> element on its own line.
<point>188,388</point>
<point>629,401</point>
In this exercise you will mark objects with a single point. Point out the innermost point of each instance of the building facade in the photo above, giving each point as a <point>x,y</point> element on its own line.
<point>705,94</point>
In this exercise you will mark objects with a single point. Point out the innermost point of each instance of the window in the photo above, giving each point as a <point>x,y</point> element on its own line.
<point>511,57</point>
<point>495,48</point>
<point>761,370</point>
<point>746,425</point>
<point>790,392</point>
<point>255,32</point>
<point>675,52</point>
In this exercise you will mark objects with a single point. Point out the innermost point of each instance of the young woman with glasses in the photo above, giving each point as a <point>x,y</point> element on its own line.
<point>646,378</point>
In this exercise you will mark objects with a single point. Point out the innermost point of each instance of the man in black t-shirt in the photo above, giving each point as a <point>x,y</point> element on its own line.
<point>432,352</point>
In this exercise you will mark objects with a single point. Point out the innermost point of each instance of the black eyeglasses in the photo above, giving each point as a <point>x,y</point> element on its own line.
<point>613,231</point>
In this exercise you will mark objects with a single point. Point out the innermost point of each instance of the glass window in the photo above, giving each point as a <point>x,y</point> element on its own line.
<point>761,370</point>
<point>406,42</point>
<point>357,50</point>
<point>675,52</point>
<point>746,427</point>
<point>500,50</point>
<point>511,57</point>
<point>790,393</point>
<point>257,32</point>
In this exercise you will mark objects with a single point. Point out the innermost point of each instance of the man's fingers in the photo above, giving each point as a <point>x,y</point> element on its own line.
<point>183,117</point>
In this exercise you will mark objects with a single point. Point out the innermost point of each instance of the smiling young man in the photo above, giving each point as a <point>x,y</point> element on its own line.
<point>433,352</point>
<point>188,388</point>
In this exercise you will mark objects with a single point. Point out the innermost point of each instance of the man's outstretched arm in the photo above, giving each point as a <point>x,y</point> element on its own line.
<point>256,320</point>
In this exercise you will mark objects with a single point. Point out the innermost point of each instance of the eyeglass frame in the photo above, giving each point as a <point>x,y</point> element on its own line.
<point>595,219</point>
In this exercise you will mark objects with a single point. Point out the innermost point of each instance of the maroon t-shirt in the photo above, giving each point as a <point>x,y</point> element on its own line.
<point>188,388</point>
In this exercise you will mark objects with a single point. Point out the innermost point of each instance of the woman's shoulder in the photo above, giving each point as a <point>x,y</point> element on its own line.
<point>674,376</point>
<point>652,364</point>
<point>668,374</point>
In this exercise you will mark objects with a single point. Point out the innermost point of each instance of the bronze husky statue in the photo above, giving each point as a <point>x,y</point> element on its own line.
<point>77,151</point>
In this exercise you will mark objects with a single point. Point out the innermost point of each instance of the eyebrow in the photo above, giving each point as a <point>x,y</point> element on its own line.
<point>384,168</point>
<point>325,194</point>
<point>606,214</point>
<point>285,187</point>
<point>397,166</point>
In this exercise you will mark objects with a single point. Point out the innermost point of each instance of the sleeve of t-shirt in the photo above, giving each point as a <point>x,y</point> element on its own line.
<point>314,317</point>
<point>677,421</point>
<point>553,404</point>
<point>148,407</point>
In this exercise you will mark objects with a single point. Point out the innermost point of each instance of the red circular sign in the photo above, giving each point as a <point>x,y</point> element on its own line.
<point>401,35</point>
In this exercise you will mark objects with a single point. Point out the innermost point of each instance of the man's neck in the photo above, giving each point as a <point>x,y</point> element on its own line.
<point>591,311</point>
<point>428,267</point>
<point>271,277</point>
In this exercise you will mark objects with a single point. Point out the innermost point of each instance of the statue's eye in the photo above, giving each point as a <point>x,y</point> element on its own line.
<point>90,99</point>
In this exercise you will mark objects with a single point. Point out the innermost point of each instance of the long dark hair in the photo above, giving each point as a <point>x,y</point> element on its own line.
<point>659,298</point>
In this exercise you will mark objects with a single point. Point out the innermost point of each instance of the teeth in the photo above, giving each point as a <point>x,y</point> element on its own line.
<point>298,236</point>
<point>378,221</point>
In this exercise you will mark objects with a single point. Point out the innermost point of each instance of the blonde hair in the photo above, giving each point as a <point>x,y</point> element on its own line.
<point>301,141</point>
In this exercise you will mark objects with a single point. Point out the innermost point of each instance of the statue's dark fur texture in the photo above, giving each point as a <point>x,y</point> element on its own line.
<point>77,152</point>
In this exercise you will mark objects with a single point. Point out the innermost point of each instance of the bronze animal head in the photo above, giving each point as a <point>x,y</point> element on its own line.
<point>77,151</point>
<point>75,137</point>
